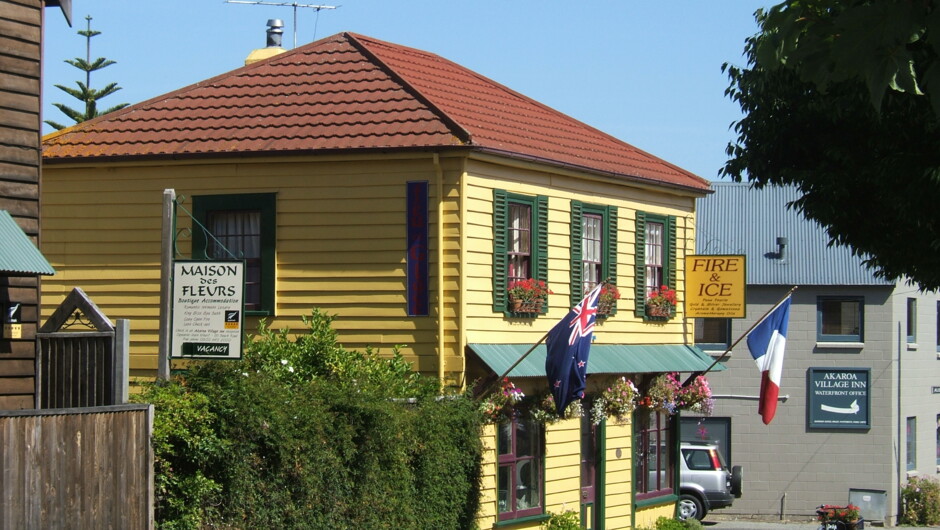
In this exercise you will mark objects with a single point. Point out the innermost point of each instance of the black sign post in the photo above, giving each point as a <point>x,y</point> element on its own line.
<point>839,398</point>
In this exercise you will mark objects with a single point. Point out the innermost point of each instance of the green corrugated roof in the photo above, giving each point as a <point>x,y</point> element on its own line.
<point>18,254</point>
<point>604,359</point>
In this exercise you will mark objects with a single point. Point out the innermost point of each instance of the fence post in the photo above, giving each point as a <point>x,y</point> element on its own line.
<point>122,345</point>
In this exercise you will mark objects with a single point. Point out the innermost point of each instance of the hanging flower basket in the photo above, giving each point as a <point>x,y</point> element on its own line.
<point>500,406</point>
<point>543,410</point>
<point>661,394</point>
<point>617,402</point>
<point>696,397</point>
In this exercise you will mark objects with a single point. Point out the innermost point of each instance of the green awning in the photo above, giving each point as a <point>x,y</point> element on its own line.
<point>18,254</point>
<point>604,359</point>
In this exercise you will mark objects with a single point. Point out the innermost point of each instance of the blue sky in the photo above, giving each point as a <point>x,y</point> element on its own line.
<point>645,71</point>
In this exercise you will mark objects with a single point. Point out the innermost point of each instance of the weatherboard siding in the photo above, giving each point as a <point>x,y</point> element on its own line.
<point>618,478</point>
<point>483,325</point>
<point>20,68</point>
<point>340,244</point>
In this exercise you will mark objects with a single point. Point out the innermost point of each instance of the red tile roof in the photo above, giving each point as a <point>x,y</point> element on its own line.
<point>351,92</point>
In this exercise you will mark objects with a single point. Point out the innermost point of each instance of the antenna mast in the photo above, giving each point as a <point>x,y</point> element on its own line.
<point>295,5</point>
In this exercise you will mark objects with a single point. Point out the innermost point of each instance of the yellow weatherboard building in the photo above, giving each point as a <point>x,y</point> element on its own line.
<point>407,196</point>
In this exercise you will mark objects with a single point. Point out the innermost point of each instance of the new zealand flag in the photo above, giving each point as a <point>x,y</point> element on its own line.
<point>569,344</point>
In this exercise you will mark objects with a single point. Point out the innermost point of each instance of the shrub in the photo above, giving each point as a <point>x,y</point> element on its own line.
<point>665,523</point>
<point>304,434</point>
<point>186,444</point>
<point>920,500</point>
<point>569,520</point>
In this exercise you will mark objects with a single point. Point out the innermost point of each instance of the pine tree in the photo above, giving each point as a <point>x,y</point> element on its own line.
<point>84,92</point>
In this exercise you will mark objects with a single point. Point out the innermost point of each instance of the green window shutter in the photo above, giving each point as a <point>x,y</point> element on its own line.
<point>610,254</point>
<point>640,272</point>
<point>541,258</point>
<point>577,210</point>
<point>500,207</point>
<point>670,244</point>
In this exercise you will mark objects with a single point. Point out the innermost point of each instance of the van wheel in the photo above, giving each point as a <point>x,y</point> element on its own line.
<point>690,507</point>
<point>737,481</point>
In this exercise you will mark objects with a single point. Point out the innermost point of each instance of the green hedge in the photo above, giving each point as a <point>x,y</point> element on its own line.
<point>304,434</point>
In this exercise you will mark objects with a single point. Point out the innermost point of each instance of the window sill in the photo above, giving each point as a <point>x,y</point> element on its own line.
<point>669,498</point>
<point>530,519</point>
<point>911,346</point>
<point>912,473</point>
<point>840,345</point>
<point>717,354</point>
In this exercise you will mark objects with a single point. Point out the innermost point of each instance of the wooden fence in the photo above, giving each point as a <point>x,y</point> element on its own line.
<point>77,468</point>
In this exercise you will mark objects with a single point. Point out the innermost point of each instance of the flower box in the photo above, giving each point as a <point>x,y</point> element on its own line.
<point>527,296</point>
<point>835,517</point>
<point>607,299</point>
<point>526,306</point>
<point>661,303</point>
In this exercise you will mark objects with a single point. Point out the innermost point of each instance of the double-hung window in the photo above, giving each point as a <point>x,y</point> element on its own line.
<point>240,227</point>
<point>593,247</point>
<point>911,443</point>
<point>520,242</point>
<point>840,319</point>
<point>911,320</point>
<point>655,446</point>
<point>519,476</point>
<point>655,256</point>
<point>713,333</point>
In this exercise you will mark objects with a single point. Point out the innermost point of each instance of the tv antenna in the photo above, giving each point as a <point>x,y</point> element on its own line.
<point>295,5</point>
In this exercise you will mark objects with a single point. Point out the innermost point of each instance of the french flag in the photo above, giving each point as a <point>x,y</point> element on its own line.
<point>767,341</point>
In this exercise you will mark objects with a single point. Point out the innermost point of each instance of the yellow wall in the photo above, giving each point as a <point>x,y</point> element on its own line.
<point>482,325</point>
<point>563,474</point>
<point>618,479</point>
<point>646,517</point>
<point>341,246</point>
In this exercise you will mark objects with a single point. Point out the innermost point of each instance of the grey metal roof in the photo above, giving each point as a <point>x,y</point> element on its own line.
<point>18,254</point>
<point>738,219</point>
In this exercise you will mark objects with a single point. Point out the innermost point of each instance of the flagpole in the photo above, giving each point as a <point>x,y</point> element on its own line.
<point>746,333</point>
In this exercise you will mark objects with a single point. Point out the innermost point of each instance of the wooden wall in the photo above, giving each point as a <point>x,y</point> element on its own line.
<point>483,325</point>
<point>77,468</point>
<point>20,51</point>
<point>341,230</point>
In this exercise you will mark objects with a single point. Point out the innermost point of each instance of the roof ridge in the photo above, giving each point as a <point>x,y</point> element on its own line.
<point>357,40</point>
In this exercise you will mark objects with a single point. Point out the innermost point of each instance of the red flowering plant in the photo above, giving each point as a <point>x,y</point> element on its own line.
<point>528,296</point>
<point>831,512</point>
<point>607,298</point>
<point>661,302</point>
<point>530,290</point>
